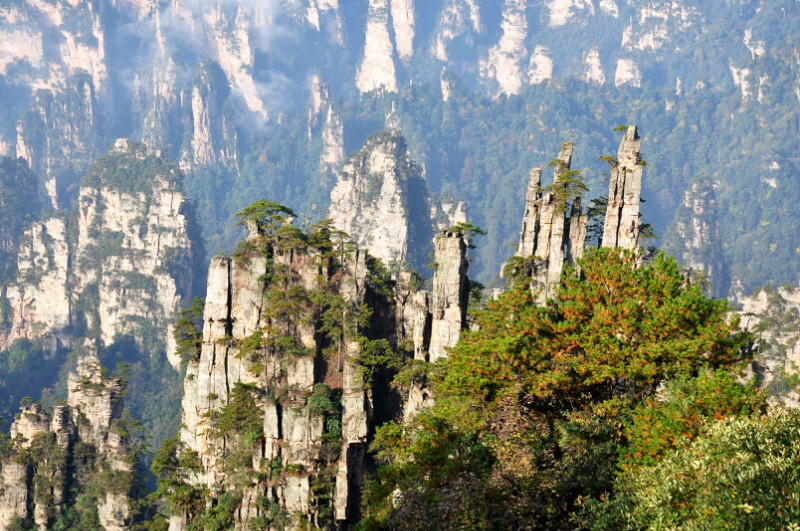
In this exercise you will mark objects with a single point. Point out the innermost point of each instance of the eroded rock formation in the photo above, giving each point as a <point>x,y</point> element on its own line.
<point>381,199</point>
<point>695,239</point>
<point>120,265</point>
<point>549,237</point>
<point>281,331</point>
<point>450,295</point>
<point>70,451</point>
<point>623,219</point>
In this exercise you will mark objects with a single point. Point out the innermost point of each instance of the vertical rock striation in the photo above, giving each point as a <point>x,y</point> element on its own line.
<point>281,332</point>
<point>623,219</point>
<point>695,239</point>
<point>120,265</point>
<point>450,293</point>
<point>377,69</point>
<point>72,450</point>
<point>548,237</point>
<point>39,300</point>
<point>382,201</point>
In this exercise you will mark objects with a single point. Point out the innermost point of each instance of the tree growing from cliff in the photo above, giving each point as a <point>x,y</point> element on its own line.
<point>268,216</point>
<point>188,331</point>
<point>468,231</point>
<point>568,185</point>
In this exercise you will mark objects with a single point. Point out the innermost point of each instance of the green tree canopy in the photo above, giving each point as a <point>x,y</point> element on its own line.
<point>267,215</point>
<point>537,408</point>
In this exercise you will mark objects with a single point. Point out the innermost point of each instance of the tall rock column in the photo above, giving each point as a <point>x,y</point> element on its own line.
<point>450,293</point>
<point>530,221</point>
<point>282,338</point>
<point>623,219</point>
<point>356,405</point>
<point>382,201</point>
<point>694,239</point>
<point>577,232</point>
<point>548,237</point>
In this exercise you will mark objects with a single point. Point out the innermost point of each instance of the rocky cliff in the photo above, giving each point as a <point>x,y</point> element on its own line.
<point>119,265</point>
<point>282,396</point>
<point>623,219</point>
<point>225,87</point>
<point>72,464</point>
<point>19,205</point>
<point>549,238</point>
<point>64,66</point>
<point>286,331</point>
<point>289,367</point>
<point>771,314</point>
<point>382,201</point>
<point>695,239</point>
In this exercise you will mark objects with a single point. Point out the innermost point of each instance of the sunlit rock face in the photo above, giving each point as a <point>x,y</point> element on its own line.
<point>119,266</point>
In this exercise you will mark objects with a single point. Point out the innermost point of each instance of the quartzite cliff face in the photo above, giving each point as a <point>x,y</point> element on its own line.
<point>262,342</point>
<point>292,326</point>
<point>549,239</point>
<point>217,83</point>
<point>381,199</point>
<point>623,221</point>
<point>118,266</point>
<point>291,322</point>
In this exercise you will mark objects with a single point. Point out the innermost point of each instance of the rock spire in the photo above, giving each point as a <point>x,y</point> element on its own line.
<point>623,219</point>
<point>549,237</point>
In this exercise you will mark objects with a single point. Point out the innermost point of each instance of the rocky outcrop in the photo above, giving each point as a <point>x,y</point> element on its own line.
<point>504,63</point>
<point>771,314</point>
<point>281,332</point>
<point>120,266</point>
<point>450,296</point>
<point>623,220</point>
<point>60,135</point>
<point>71,451</point>
<point>213,141</point>
<point>549,238</point>
<point>458,20</point>
<point>432,322</point>
<point>382,201</point>
<point>325,121</point>
<point>19,205</point>
<point>695,239</point>
<point>627,73</point>
<point>403,23</point>
<point>39,301</point>
<point>377,70</point>
<point>290,325</point>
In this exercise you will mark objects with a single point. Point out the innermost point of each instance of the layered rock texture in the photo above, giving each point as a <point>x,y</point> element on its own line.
<point>289,366</point>
<point>695,239</point>
<point>119,265</point>
<point>78,453</point>
<point>225,86</point>
<point>193,62</point>
<point>772,315</point>
<point>381,199</point>
<point>284,332</point>
<point>293,329</point>
<point>550,238</point>
<point>623,219</point>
